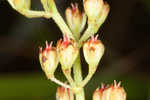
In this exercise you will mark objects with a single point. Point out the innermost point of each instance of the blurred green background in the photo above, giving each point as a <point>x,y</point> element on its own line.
<point>126,35</point>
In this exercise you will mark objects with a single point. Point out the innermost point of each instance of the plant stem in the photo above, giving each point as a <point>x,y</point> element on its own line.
<point>89,76</point>
<point>62,25</point>
<point>78,78</point>
<point>86,34</point>
<point>60,83</point>
<point>93,27</point>
<point>34,14</point>
<point>67,74</point>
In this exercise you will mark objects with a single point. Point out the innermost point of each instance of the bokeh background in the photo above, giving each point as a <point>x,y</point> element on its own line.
<point>126,35</point>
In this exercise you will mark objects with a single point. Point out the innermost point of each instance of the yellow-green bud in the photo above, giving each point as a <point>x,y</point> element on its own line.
<point>20,4</point>
<point>64,94</point>
<point>75,19</point>
<point>48,59</point>
<point>93,8</point>
<point>93,51</point>
<point>103,16</point>
<point>114,92</point>
<point>67,52</point>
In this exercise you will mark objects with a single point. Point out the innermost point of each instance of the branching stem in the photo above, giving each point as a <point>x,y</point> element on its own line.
<point>59,82</point>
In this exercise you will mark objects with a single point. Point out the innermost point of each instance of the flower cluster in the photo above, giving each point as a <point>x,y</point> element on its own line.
<point>67,51</point>
<point>112,92</point>
<point>109,92</point>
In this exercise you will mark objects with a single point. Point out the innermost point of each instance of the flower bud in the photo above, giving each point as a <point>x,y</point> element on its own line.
<point>67,52</point>
<point>20,4</point>
<point>48,59</point>
<point>114,92</point>
<point>103,16</point>
<point>93,51</point>
<point>64,94</point>
<point>98,93</point>
<point>75,19</point>
<point>93,8</point>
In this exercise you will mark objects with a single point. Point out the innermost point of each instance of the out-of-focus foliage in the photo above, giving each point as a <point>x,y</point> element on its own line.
<point>33,86</point>
<point>147,4</point>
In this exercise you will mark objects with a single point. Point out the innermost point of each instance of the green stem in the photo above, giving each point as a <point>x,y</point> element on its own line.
<point>67,74</point>
<point>91,72</point>
<point>87,34</point>
<point>34,14</point>
<point>62,25</point>
<point>59,82</point>
<point>78,78</point>
<point>93,27</point>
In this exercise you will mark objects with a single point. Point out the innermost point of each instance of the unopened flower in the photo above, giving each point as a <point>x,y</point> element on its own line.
<point>114,92</point>
<point>67,52</point>
<point>93,51</point>
<point>93,8</point>
<point>102,17</point>
<point>64,94</point>
<point>20,4</point>
<point>48,59</point>
<point>75,19</point>
<point>98,93</point>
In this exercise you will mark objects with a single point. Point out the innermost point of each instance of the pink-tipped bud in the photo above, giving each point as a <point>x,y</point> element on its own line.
<point>64,94</point>
<point>67,52</point>
<point>48,59</point>
<point>98,93</point>
<point>93,8</point>
<point>114,92</point>
<point>93,51</point>
<point>75,19</point>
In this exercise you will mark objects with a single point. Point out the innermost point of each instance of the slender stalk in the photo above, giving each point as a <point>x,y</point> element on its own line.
<point>62,25</point>
<point>93,27</point>
<point>59,82</point>
<point>34,14</point>
<point>67,74</point>
<point>78,78</point>
<point>86,34</point>
<point>89,76</point>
